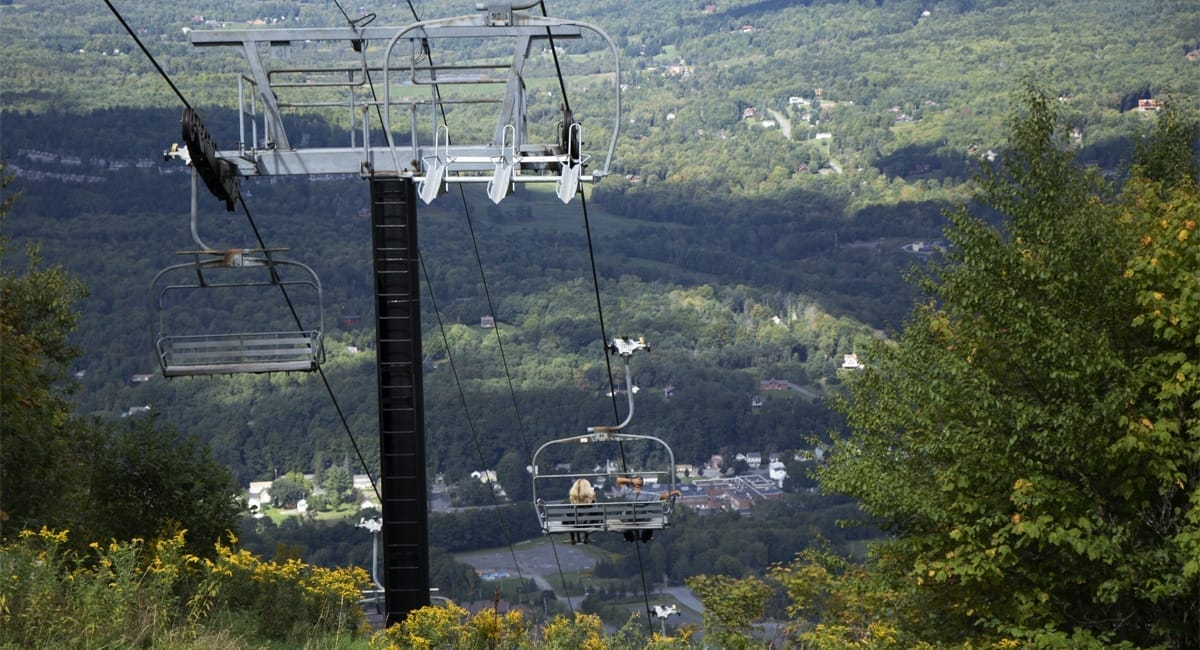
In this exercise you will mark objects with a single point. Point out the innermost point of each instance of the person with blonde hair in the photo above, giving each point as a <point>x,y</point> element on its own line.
<point>582,492</point>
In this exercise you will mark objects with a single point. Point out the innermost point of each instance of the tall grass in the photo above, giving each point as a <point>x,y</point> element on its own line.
<point>154,595</point>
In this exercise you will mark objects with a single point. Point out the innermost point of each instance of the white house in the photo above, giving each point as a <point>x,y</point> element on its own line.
<point>777,472</point>
<point>485,476</point>
<point>753,459</point>
<point>136,410</point>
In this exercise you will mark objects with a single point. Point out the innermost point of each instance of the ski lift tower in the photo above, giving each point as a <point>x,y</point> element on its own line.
<point>398,86</point>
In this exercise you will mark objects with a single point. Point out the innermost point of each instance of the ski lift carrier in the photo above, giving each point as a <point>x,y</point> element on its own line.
<point>217,350</point>
<point>233,352</point>
<point>605,515</point>
<point>389,72</point>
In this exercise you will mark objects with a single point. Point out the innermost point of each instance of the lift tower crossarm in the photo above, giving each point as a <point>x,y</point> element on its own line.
<point>423,152</point>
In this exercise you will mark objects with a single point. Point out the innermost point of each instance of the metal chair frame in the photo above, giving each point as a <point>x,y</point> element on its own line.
<point>183,355</point>
<point>618,515</point>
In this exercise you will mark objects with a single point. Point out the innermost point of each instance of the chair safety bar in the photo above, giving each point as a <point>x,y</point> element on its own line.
<point>252,352</point>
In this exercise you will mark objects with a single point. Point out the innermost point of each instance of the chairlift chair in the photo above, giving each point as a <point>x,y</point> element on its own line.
<point>557,514</point>
<point>217,348</point>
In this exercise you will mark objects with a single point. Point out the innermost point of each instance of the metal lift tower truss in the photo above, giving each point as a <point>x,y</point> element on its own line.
<point>396,79</point>
<point>394,75</point>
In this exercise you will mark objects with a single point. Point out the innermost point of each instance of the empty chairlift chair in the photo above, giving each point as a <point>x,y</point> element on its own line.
<point>236,311</point>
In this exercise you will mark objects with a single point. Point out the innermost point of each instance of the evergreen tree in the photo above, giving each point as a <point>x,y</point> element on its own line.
<point>338,484</point>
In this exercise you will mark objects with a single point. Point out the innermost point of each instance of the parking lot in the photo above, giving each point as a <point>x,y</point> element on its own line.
<point>536,558</point>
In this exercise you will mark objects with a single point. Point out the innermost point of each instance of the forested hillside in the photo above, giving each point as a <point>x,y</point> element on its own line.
<point>774,160</point>
<point>758,235</point>
<point>713,341</point>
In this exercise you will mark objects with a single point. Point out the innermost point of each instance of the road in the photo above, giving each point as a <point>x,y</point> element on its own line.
<point>785,125</point>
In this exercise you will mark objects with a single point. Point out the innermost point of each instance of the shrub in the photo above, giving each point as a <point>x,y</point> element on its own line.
<point>287,600</point>
<point>119,595</point>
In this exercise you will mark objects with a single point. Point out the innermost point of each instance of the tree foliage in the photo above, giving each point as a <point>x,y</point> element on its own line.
<point>1030,438</point>
<point>732,605</point>
<point>58,469</point>
<point>40,436</point>
<point>146,480</point>
<point>850,604</point>
<point>289,489</point>
<point>338,485</point>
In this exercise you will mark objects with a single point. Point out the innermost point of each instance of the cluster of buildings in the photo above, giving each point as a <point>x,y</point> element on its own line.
<point>731,494</point>
<point>706,488</point>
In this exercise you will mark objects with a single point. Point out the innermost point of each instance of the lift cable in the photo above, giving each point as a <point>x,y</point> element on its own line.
<point>433,299</point>
<point>491,310</point>
<point>470,224</point>
<point>562,85</point>
<point>466,210</point>
<point>162,73</point>
<point>613,392</point>
<point>600,315</point>
<point>470,420</point>
<point>258,236</point>
<point>512,391</point>
<point>320,369</point>
<point>603,332</point>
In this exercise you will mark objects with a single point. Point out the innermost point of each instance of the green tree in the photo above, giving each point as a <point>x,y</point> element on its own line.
<point>41,439</point>
<point>147,481</point>
<point>511,474</point>
<point>836,603</point>
<point>472,492</point>
<point>1162,429</point>
<point>1034,458</point>
<point>289,489</point>
<point>61,471</point>
<point>338,485</point>
<point>731,606</point>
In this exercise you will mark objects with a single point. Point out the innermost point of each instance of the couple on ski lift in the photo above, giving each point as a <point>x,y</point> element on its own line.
<point>628,489</point>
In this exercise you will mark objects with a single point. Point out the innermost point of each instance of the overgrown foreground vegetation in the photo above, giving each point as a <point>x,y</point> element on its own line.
<point>1031,440</point>
<point>156,594</point>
